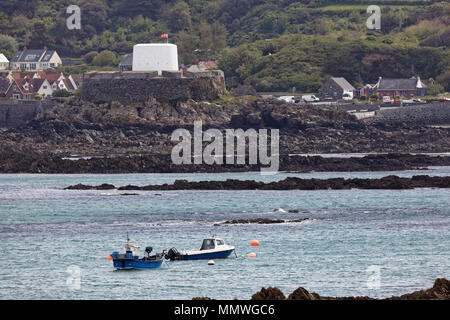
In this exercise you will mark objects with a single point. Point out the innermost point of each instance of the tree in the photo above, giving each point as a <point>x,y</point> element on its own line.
<point>105,58</point>
<point>8,45</point>
<point>435,89</point>
<point>212,37</point>
<point>444,80</point>
<point>179,17</point>
<point>187,45</point>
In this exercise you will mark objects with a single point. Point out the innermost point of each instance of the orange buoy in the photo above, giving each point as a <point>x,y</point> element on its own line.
<point>255,243</point>
<point>252,255</point>
<point>109,258</point>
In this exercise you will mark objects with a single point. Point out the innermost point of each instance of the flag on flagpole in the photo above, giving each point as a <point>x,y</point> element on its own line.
<point>165,36</point>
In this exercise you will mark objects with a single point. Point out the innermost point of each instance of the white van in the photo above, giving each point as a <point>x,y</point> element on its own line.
<point>310,98</point>
<point>290,99</point>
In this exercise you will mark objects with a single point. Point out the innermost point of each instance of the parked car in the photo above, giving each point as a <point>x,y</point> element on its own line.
<point>310,98</point>
<point>387,99</point>
<point>347,96</point>
<point>444,99</point>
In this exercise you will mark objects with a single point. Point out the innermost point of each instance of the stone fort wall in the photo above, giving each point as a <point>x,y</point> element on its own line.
<point>131,87</point>
<point>14,113</point>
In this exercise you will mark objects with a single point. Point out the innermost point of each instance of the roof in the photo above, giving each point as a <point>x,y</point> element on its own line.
<point>344,84</point>
<point>50,76</point>
<point>155,45</point>
<point>48,55</point>
<point>208,64</point>
<point>399,84</point>
<point>33,55</point>
<point>127,61</point>
<point>3,58</point>
<point>33,85</point>
<point>22,75</point>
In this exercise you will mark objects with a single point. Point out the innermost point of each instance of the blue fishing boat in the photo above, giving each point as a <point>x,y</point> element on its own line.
<point>131,260</point>
<point>212,248</point>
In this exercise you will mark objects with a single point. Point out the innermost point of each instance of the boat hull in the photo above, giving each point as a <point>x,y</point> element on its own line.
<point>130,264</point>
<point>210,255</point>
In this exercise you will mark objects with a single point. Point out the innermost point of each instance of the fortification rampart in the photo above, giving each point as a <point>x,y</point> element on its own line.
<point>130,87</point>
<point>14,113</point>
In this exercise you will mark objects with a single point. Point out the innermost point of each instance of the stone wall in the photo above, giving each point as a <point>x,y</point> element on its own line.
<point>129,87</point>
<point>14,113</point>
<point>437,113</point>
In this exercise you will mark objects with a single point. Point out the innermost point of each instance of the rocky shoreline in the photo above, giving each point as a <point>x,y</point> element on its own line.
<point>290,183</point>
<point>14,161</point>
<point>136,137</point>
<point>439,291</point>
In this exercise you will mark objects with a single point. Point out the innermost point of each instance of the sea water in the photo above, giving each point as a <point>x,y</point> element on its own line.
<point>355,242</point>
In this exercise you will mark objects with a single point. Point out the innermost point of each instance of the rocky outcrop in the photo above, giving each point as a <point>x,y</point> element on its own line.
<point>292,183</point>
<point>271,293</point>
<point>263,221</point>
<point>439,291</point>
<point>21,159</point>
<point>136,137</point>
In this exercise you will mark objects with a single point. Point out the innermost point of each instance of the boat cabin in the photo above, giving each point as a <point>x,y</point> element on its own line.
<point>133,249</point>
<point>212,243</point>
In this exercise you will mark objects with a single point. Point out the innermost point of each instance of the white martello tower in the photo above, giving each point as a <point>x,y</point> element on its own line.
<point>155,57</point>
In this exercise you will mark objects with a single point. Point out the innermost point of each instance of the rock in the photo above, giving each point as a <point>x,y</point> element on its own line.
<point>291,183</point>
<point>301,294</point>
<point>271,293</point>
<point>439,291</point>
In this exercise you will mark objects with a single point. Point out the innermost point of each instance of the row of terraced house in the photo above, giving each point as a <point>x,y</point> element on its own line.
<point>30,85</point>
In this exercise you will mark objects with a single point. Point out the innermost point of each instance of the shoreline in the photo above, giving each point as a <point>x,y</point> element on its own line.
<point>21,162</point>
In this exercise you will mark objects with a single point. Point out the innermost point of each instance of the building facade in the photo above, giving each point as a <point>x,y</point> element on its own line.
<point>35,60</point>
<point>335,88</point>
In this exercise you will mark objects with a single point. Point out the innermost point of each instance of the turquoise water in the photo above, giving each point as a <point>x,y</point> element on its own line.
<point>45,229</point>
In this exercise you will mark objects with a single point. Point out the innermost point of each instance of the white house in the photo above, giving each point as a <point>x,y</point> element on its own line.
<point>4,63</point>
<point>34,60</point>
<point>155,57</point>
<point>45,89</point>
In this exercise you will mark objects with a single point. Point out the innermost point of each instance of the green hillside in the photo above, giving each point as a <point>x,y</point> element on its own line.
<point>270,44</point>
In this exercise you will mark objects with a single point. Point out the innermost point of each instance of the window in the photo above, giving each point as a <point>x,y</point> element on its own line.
<point>30,57</point>
<point>33,66</point>
<point>220,242</point>
<point>23,66</point>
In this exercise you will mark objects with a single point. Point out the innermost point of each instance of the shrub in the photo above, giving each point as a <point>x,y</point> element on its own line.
<point>89,57</point>
<point>61,93</point>
<point>38,97</point>
<point>105,58</point>
<point>435,89</point>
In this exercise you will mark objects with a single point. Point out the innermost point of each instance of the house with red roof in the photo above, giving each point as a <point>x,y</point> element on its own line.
<point>26,85</point>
